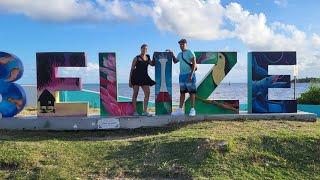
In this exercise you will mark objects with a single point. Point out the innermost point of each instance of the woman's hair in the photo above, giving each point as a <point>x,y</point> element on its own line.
<point>143,45</point>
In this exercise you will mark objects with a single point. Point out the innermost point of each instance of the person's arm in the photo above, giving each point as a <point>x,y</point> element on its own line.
<point>133,65</point>
<point>152,62</point>
<point>194,67</point>
<point>175,60</point>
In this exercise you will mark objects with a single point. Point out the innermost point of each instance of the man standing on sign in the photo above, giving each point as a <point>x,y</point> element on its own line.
<point>187,77</point>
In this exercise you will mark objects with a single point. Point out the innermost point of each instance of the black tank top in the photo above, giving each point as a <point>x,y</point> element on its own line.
<point>142,65</point>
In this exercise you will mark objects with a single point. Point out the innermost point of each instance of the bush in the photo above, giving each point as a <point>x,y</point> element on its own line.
<point>312,96</point>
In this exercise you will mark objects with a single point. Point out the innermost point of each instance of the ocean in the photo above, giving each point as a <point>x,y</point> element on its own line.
<point>231,91</point>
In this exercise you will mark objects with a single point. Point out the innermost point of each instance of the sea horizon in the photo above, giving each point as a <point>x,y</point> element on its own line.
<point>232,91</point>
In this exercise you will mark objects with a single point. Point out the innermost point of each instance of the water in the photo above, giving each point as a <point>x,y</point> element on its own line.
<point>233,91</point>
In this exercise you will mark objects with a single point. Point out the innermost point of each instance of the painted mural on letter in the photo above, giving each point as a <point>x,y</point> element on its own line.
<point>163,77</point>
<point>223,63</point>
<point>259,82</point>
<point>109,105</point>
<point>48,84</point>
<point>13,97</point>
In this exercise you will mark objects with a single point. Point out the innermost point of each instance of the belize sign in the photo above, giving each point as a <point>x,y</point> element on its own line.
<point>13,97</point>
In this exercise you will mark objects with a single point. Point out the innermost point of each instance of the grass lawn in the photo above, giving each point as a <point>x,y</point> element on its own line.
<point>246,150</point>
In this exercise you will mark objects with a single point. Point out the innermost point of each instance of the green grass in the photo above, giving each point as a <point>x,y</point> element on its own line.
<point>252,150</point>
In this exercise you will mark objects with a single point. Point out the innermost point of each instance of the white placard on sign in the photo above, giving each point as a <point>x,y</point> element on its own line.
<point>108,123</point>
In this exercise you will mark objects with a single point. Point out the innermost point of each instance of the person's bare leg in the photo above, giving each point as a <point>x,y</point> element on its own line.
<point>134,97</point>
<point>146,90</point>
<point>193,99</point>
<point>182,98</point>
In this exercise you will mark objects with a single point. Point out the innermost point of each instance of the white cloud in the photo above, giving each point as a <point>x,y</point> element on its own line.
<point>256,34</point>
<point>195,19</point>
<point>116,9</point>
<point>281,3</point>
<point>315,40</point>
<point>68,10</point>
<point>141,9</point>
<point>252,29</point>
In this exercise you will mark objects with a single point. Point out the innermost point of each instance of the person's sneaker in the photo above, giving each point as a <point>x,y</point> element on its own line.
<point>178,112</point>
<point>192,112</point>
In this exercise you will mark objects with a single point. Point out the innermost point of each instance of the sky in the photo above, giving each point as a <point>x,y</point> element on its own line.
<point>121,26</point>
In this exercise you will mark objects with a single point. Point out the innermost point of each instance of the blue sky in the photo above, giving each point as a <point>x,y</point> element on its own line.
<point>32,26</point>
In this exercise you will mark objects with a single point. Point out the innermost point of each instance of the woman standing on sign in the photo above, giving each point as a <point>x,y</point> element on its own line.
<point>139,77</point>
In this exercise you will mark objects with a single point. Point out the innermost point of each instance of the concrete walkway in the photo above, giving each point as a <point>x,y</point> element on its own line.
<point>97,122</point>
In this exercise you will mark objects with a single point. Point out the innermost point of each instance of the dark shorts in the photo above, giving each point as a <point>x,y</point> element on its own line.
<point>187,86</point>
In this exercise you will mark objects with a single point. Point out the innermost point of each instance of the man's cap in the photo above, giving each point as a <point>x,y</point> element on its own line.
<point>182,41</point>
